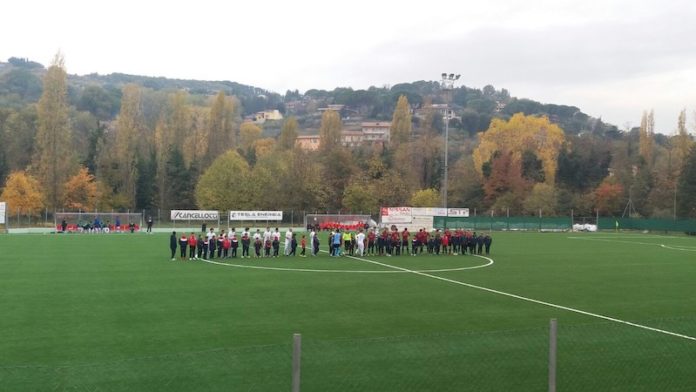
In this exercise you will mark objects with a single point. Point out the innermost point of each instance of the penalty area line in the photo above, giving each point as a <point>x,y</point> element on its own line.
<point>536,301</point>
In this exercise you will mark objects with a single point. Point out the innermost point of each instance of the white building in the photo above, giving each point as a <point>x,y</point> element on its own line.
<point>262,117</point>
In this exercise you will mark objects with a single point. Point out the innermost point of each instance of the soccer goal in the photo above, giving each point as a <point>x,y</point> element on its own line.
<point>98,222</point>
<point>338,221</point>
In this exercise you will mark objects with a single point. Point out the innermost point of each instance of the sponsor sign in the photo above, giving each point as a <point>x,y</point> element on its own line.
<point>194,215</point>
<point>421,222</point>
<point>256,215</point>
<point>458,212</point>
<point>430,211</point>
<point>3,207</point>
<point>396,214</point>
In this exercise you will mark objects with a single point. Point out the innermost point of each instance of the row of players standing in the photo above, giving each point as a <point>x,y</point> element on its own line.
<point>391,242</point>
<point>226,244</point>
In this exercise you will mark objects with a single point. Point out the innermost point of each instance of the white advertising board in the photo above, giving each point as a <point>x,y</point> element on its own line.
<point>421,222</point>
<point>396,214</point>
<point>3,208</point>
<point>429,211</point>
<point>196,215</point>
<point>458,212</point>
<point>256,215</point>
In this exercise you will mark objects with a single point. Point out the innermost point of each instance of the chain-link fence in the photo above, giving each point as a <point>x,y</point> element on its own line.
<point>602,356</point>
<point>16,218</point>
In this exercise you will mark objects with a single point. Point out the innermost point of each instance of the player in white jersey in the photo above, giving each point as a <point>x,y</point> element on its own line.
<point>258,243</point>
<point>288,241</point>
<point>360,240</point>
<point>311,241</point>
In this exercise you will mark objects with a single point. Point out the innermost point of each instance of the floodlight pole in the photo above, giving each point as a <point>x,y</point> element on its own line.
<point>447,85</point>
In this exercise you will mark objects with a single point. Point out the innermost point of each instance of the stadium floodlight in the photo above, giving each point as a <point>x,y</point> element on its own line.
<point>447,86</point>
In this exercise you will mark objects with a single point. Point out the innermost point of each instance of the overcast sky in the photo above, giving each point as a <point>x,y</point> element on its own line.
<point>612,59</point>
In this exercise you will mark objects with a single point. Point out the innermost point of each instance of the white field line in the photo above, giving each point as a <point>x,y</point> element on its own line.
<point>489,263</point>
<point>684,248</point>
<point>536,301</point>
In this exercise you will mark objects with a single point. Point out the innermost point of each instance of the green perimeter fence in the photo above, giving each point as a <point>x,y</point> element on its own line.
<point>601,356</point>
<point>556,223</point>
<point>19,219</point>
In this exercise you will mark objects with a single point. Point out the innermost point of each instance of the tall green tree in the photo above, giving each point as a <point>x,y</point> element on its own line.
<point>222,186</point>
<point>647,137</point>
<point>179,182</point>
<point>330,131</point>
<point>53,161</point>
<point>146,186</point>
<point>288,134</point>
<point>222,133</point>
<point>359,197</point>
<point>129,128</point>
<point>3,161</point>
<point>400,131</point>
<point>249,133</point>
<point>19,134</point>
<point>686,187</point>
<point>681,142</point>
<point>425,198</point>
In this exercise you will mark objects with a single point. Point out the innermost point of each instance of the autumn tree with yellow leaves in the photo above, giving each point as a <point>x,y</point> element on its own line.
<point>519,134</point>
<point>81,192</point>
<point>400,130</point>
<point>23,194</point>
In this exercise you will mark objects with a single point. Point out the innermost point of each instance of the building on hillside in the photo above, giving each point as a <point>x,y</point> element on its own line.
<point>439,108</point>
<point>262,117</point>
<point>308,142</point>
<point>376,131</point>
<point>334,107</point>
<point>295,106</point>
<point>371,134</point>
<point>352,138</point>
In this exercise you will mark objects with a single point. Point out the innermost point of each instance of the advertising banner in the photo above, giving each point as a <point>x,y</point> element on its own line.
<point>421,222</point>
<point>396,214</point>
<point>198,215</point>
<point>458,212</point>
<point>429,211</point>
<point>3,207</point>
<point>256,215</point>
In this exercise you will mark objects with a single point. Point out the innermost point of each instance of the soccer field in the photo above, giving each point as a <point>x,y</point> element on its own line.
<point>113,313</point>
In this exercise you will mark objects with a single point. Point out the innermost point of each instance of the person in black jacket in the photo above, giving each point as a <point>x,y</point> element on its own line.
<point>173,244</point>
<point>212,244</point>
<point>199,246</point>
<point>183,243</point>
<point>479,244</point>
<point>487,241</point>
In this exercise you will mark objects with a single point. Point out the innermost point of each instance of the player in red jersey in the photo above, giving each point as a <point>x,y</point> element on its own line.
<point>405,236</point>
<point>192,242</point>
<point>371,242</point>
<point>395,243</point>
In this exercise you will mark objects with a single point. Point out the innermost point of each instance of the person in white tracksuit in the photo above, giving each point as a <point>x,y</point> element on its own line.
<point>311,242</point>
<point>360,240</point>
<point>288,241</point>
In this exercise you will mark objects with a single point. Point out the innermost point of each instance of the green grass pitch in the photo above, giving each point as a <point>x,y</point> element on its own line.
<point>113,313</point>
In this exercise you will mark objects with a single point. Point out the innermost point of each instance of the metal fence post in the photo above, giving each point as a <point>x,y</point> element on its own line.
<point>296,356</point>
<point>553,333</point>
